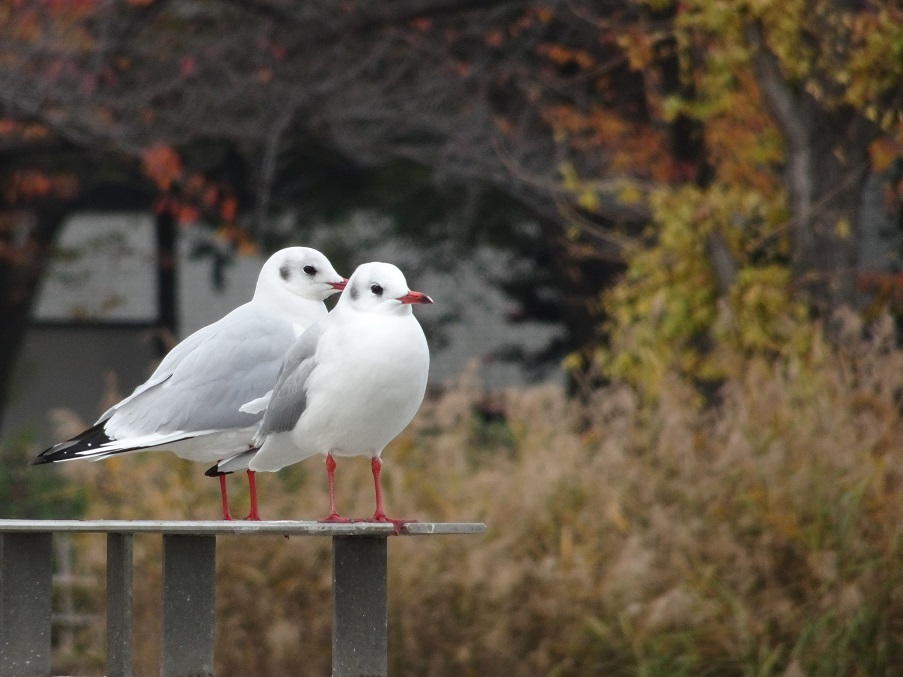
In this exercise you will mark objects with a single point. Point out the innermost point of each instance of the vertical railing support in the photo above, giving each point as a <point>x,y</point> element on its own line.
<point>359,621</point>
<point>359,577</point>
<point>119,605</point>
<point>26,579</point>
<point>189,566</point>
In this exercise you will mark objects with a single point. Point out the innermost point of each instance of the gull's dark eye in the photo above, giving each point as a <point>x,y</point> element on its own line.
<point>376,289</point>
<point>310,270</point>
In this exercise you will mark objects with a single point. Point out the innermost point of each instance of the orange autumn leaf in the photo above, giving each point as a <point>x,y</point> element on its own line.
<point>883,151</point>
<point>209,196</point>
<point>161,164</point>
<point>187,214</point>
<point>247,248</point>
<point>228,209</point>
<point>195,184</point>
<point>543,14</point>
<point>637,46</point>
<point>236,237</point>
<point>33,184</point>
<point>562,55</point>
<point>494,38</point>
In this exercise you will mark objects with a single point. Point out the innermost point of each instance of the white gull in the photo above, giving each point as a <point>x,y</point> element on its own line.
<point>349,385</point>
<point>192,404</point>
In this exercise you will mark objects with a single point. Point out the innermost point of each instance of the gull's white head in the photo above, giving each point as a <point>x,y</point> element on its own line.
<point>302,271</point>
<point>380,288</point>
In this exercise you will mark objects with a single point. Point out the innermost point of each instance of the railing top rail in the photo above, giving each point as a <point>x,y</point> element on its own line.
<point>220,527</point>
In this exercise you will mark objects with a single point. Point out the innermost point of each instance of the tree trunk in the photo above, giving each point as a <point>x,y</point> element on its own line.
<point>825,181</point>
<point>167,311</point>
<point>23,261</point>
<point>826,167</point>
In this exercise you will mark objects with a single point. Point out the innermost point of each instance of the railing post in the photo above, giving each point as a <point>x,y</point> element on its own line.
<point>360,627</point>
<point>189,566</point>
<point>359,621</point>
<point>119,605</point>
<point>26,584</point>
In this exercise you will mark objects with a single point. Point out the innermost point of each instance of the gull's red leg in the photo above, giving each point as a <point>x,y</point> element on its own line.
<point>222,491</point>
<point>254,516</point>
<point>379,515</point>
<point>333,516</point>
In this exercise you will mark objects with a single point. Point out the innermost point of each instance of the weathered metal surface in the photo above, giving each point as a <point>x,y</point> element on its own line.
<point>442,528</point>
<point>26,575</point>
<point>119,605</point>
<point>189,563</point>
<point>359,624</point>
<point>220,527</point>
<point>189,559</point>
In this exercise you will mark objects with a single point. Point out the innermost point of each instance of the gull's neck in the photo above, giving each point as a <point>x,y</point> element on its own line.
<point>283,302</point>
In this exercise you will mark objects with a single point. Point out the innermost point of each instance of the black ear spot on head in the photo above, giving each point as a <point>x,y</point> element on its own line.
<point>284,271</point>
<point>354,292</point>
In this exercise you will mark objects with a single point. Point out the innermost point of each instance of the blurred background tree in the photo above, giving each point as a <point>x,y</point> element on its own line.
<point>554,129</point>
<point>797,105</point>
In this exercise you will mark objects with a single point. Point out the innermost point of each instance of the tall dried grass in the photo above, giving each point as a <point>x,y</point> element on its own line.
<point>758,536</point>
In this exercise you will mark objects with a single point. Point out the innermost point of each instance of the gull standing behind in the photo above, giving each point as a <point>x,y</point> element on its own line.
<point>192,404</point>
<point>349,385</point>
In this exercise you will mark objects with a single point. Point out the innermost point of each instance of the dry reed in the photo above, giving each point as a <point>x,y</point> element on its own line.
<point>758,536</point>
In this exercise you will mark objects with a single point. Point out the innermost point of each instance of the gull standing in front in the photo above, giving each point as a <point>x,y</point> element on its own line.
<point>207,397</point>
<point>349,385</point>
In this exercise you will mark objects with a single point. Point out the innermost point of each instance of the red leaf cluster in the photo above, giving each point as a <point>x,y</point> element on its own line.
<point>32,184</point>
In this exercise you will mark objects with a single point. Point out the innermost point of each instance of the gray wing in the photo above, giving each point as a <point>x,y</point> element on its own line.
<point>204,381</point>
<point>289,399</point>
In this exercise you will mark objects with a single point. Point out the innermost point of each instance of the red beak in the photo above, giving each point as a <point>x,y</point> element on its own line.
<point>415,297</point>
<point>338,285</point>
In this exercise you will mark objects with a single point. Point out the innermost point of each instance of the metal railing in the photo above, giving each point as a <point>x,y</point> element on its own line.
<point>359,566</point>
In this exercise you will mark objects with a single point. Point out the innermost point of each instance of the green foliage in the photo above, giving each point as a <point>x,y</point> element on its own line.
<point>667,314</point>
<point>839,56</point>
<point>709,285</point>
<point>875,66</point>
<point>29,493</point>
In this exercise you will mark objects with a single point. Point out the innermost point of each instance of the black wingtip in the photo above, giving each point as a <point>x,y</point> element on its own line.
<point>74,448</point>
<point>215,472</point>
